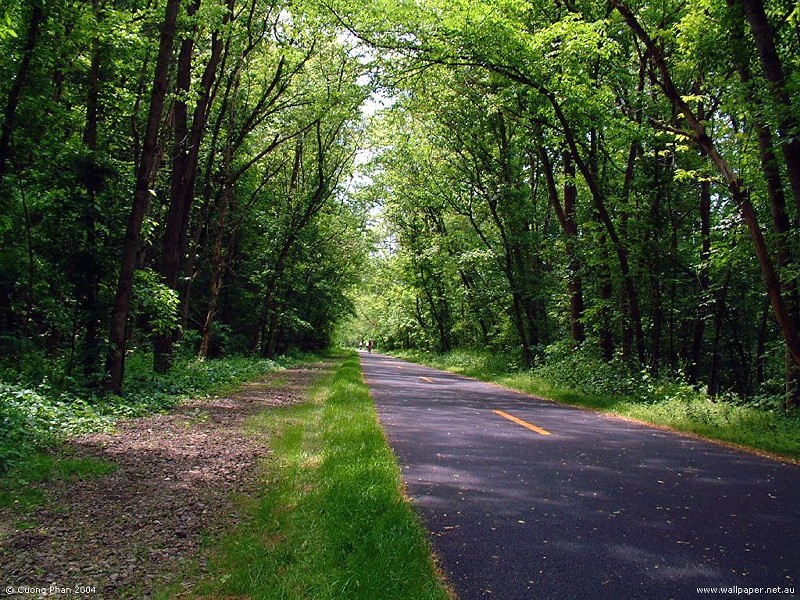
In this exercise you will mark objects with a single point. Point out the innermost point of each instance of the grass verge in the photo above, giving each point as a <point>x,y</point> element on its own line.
<point>662,403</point>
<point>333,522</point>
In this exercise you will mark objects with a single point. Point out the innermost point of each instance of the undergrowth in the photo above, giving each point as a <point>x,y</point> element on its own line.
<point>582,378</point>
<point>35,416</point>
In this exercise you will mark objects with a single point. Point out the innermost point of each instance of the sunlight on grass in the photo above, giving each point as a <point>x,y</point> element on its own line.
<point>333,522</point>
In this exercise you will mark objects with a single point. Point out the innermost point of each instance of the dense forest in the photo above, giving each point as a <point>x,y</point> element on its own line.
<point>611,179</point>
<point>173,175</point>
<point>614,180</point>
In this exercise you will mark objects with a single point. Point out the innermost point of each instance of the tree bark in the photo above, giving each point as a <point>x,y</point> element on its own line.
<point>601,211</point>
<point>788,126</point>
<point>21,77</point>
<point>720,309</point>
<point>605,331</point>
<point>179,194</point>
<point>90,288</point>
<point>187,151</point>
<point>739,193</point>
<point>115,364</point>
<point>567,218</point>
<point>770,168</point>
<point>693,368</point>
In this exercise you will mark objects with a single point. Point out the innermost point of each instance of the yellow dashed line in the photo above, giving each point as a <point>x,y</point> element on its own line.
<point>525,424</point>
<point>427,379</point>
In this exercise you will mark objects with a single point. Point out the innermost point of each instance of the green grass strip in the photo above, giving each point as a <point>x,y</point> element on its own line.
<point>333,522</point>
<point>675,407</point>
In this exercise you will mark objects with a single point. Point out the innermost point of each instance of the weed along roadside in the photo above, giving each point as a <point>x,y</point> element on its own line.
<point>331,521</point>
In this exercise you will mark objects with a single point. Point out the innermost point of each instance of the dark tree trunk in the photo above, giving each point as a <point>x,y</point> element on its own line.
<point>91,271</point>
<point>439,310</point>
<point>141,201</point>
<point>187,151</point>
<point>655,267</point>
<point>470,286</point>
<point>21,77</point>
<point>217,270</point>
<point>719,318</point>
<point>567,218</point>
<point>761,345</point>
<point>605,329</point>
<point>574,282</point>
<point>739,193</point>
<point>629,287</point>
<point>788,125</point>
<point>179,194</point>
<point>770,167</point>
<point>693,368</point>
<point>628,334</point>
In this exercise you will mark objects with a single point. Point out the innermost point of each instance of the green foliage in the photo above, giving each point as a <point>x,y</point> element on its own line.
<point>35,417</point>
<point>585,371</point>
<point>492,111</point>
<point>38,416</point>
<point>19,488</point>
<point>159,303</point>
<point>471,169</point>
<point>471,363</point>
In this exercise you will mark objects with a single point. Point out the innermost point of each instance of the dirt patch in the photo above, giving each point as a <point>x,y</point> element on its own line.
<point>123,534</point>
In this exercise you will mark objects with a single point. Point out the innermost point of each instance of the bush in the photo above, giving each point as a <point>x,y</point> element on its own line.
<point>473,363</point>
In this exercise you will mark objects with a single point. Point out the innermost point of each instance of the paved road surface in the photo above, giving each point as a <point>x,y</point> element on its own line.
<point>599,508</point>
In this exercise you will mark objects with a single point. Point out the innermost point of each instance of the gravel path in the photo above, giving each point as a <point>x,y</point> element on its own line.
<point>126,533</point>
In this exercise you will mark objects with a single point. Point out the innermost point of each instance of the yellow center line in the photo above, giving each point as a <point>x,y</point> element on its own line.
<point>428,379</point>
<point>525,424</point>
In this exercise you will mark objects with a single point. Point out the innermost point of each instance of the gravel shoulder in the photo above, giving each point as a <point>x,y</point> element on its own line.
<point>129,532</point>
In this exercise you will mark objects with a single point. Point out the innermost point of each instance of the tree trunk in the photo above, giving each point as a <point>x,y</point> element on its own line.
<point>629,287</point>
<point>739,193</point>
<point>90,289</point>
<point>772,175</point>
<point>788,125</point>
<point>180,194</point>
<point>655,267</point>
<point>693,368</point>
<point>470,285</point>
<point>761,345</point>
<point>574,282</point>
<point>567,217</point>
<point>187,152</point>
<point>217,268</point>
<point>720,304</point>
<point>21,77</point>
<point>115,364</point>
<point>605,330</point>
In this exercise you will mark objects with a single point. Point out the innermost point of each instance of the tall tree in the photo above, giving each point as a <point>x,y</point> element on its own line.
<point>187,143</point>
<point>145,171</point>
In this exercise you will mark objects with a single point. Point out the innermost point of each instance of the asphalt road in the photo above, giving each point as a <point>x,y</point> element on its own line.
<point>599,508</point>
